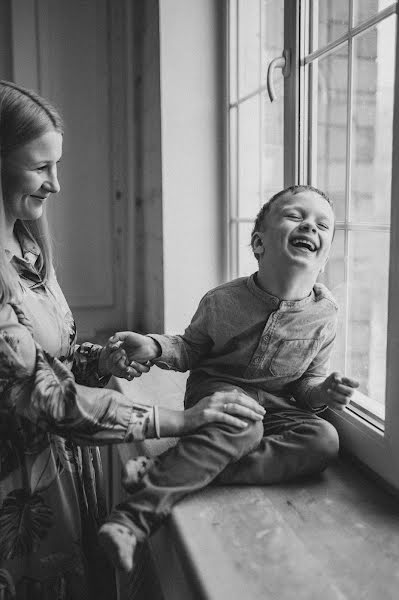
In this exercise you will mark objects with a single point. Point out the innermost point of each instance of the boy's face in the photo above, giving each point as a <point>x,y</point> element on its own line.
<point>298,229</point>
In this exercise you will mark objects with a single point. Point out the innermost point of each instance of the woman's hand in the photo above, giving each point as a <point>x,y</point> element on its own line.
<point>232,408</point>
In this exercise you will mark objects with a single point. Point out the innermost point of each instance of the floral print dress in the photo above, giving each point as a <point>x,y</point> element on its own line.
<point>53,416</point>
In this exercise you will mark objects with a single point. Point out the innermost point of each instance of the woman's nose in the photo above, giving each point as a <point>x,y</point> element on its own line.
<point>52,184</point>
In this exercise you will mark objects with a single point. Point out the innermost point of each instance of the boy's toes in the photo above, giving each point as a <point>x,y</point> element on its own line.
<point>119,544</point>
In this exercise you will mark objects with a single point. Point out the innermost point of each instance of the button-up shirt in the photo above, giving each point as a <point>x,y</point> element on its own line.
<point>242,335</point>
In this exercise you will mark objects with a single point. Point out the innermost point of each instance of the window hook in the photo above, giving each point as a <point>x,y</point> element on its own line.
<point>280,62</point>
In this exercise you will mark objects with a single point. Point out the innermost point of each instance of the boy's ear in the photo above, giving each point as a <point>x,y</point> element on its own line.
<point>257,243</point>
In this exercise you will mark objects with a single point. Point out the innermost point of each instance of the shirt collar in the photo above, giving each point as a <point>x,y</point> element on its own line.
<point>30,249</point>
<point>275,301</point>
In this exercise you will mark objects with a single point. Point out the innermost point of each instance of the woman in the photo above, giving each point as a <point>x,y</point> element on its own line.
<point>54,411</point>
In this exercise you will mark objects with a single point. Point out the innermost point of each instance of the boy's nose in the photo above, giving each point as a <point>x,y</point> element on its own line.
<point>308,226</point>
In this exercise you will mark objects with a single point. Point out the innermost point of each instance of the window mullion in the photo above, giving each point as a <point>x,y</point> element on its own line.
<point>260,131</point>
<point>291,93</point>
<point>234,225</point>
<point>348,187</point>
<point>392,380</point>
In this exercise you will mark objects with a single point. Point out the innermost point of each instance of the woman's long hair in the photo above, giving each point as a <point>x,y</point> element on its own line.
<point>24,116</point>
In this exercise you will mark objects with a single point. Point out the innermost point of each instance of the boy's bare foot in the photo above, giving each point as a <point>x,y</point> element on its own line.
<point>134,471</point>
<point>119,544</point>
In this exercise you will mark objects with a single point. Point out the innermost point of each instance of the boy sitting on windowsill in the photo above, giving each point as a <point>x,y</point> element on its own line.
<point>269,335</point>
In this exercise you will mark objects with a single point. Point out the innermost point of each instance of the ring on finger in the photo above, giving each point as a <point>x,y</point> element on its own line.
<point>225,407</point>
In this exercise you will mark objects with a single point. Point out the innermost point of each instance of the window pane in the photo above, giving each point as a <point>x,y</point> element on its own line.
<point>368,307</point>
<point>332,19</point>
<point>273,112</point>
<point>373,80</point>
<point>364,9</point>
<point>249,157</point>
<point>334,278</point>
<point>249,41</point>
<point>273,144</point>
<point>329,151</point>
<point>273,36</point>
<point>247,263</point>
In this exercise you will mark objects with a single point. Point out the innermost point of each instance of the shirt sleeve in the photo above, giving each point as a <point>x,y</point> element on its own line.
<point>85,365</point>
<point>184,352</point>
<point>317,371</point>
<point>42,390</point>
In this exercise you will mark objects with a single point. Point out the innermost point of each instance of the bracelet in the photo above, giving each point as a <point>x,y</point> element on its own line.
<point>156,423</point>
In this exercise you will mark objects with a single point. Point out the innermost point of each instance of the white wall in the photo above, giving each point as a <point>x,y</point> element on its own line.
<point>74,54</point>
<point>175,62</point>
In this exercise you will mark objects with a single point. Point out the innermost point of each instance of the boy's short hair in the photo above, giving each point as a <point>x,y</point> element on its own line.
<point>292,190</point>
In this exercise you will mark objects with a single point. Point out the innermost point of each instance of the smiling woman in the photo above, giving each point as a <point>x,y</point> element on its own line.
<point>30,176</point>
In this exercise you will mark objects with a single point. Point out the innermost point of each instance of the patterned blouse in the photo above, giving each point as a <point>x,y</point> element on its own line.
<point>53,415</point>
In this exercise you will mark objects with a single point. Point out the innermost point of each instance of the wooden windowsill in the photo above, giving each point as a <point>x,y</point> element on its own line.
<point>334,537</point>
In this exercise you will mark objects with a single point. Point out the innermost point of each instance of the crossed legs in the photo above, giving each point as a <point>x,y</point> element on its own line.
<point>290,443</point>
<point>189,466</point>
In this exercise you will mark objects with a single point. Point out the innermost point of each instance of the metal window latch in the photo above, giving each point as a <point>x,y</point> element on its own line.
<point>280,62</point>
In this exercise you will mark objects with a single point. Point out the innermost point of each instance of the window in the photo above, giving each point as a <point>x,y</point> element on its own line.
<point>349,72</point>
<point>256,127</point>
<point>332,125</point>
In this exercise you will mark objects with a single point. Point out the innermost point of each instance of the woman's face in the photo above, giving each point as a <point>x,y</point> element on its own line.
<point>29,176</point>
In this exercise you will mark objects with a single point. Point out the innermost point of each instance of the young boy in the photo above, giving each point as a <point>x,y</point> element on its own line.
<point>270,335</point>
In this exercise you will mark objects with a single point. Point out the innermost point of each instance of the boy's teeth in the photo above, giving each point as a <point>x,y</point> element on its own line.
<point>307,243</point>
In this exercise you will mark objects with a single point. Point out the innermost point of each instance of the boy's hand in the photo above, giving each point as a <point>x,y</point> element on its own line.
<point>115,359</point>
<point>336,391</point>
<point>138,348</point>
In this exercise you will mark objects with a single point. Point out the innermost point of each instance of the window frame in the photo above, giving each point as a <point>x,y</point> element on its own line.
<point>361,434</point>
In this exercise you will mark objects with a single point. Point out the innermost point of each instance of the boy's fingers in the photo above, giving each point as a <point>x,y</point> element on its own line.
<point>343,389</point>
<point>336,377</point>
<point>119,336</point>
<point>143,368</point>
<point>353,383</point>
<point>338,398</point>
<point>118,358</point>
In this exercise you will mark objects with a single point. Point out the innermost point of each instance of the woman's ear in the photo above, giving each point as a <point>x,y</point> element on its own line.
<point>257,243</point>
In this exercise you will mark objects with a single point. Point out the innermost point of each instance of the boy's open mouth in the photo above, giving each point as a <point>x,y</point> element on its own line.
<point>304,243</point>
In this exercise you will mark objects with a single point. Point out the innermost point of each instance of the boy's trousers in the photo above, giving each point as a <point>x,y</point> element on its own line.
<point>288,444</point>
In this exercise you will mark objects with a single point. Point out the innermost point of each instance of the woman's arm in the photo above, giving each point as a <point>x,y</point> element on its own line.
<point>43,390</point>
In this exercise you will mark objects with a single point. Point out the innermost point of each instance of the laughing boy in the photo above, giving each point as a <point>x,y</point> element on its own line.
<point>269,335</point>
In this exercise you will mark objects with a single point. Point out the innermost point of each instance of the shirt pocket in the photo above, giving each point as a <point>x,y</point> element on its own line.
<point>292,357</point>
